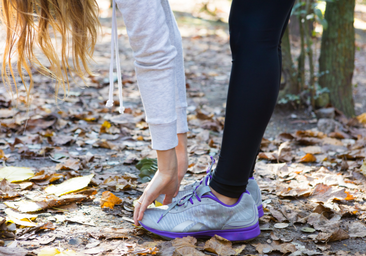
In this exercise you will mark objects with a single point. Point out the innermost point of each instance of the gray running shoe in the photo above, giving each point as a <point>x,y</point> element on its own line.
<point>202,214</point>
<point>252,187</point>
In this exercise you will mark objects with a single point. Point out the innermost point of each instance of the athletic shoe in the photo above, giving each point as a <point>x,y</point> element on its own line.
<point>252,187</point>
<point>202,214</point>
<point>255,192</point>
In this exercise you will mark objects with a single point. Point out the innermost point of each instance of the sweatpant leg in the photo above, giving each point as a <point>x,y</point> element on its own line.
<point>255,29</point>
<point>180,85</point>
<point>155,64</point>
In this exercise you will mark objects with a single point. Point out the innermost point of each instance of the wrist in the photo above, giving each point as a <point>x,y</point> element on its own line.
<point>167,162</point>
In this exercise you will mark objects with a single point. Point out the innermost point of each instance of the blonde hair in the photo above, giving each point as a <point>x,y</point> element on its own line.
<point>28,25</point>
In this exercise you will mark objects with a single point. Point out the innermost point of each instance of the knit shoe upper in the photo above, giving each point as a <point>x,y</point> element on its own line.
<point>201,214</point>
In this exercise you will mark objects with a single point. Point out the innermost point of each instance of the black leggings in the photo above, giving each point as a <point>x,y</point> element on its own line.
<point>256,29</point>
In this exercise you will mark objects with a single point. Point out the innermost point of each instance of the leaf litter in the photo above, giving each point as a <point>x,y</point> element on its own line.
<point>72,172</point>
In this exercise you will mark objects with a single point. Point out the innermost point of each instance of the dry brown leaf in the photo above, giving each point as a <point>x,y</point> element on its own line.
<point>220,246</point>
<point>131,159</point>
<point>2,154</point>
<point>5,251</point>
<point>111,233</point>
<point>308,158</point>
<point>200,165</point>
<point>312,150</point>
<point>6,191</point>
<point>284,152</point>
<point>63,140</point>
<point>69,164</point>
<point>186,246</point>
<point>109,200</point>
<point>285,136</point>
<point>357,229</point>
<point>323,193</point>
<point>309,133</point>
<point>266,156</point>
<point>45,202</point>
<point>332,141</point>
<point>362,118</point>
<point>284,247</point>
<point>277,215</point>
<point>319,222</point>
<point>105,144</point>
<point>263,248</point>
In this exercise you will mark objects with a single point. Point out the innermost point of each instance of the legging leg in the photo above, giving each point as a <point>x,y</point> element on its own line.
<point>256,28</point>
<point>280,59</point>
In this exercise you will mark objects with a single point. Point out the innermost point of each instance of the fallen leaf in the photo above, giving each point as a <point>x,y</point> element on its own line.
<point>308,230</point>
<point>6,191</point>
<point>263,248</point>
<point>186,246</point>
<point>69,164</point>
<point>324,193</point>
<point>111,233</point>
<point>131,159</point>
<point>362,118</point>
<point>308,158</point>
<point>312,150</point>
<point>284,247</point>
<point>357,229</point>
<point>70,185</point>
<point>45,203</point>
<point>319,222</point>
<point>20,218</point>
<point>48,251</point>
<point>105,127</point>
<point>281,225</point>
<point>108,200</point>
<point>220,246</point>
<point>4,251</point>
<point>363,167</point>
<point>16,174</point>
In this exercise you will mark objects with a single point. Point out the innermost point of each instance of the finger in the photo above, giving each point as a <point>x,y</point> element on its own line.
<point>136,213</point>
<point>145,203</point>
<point>167,199</point>
<point>137,210</point>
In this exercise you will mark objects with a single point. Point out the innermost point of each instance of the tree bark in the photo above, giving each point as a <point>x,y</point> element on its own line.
<point>301,58</point>
<point>337,58</point>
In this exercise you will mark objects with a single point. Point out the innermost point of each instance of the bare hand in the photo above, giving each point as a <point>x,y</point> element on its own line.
<point>165,181</point>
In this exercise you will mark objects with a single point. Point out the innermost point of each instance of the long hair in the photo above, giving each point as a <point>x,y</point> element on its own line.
<point>33,24</point>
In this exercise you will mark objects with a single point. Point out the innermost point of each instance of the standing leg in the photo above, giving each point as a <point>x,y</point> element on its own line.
<point>256,29</point>
<point>280,60</point>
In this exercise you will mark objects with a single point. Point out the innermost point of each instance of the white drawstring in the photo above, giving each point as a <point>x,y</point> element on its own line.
<point>115,51</point>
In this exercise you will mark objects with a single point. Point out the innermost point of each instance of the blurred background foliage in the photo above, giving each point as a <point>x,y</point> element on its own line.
<point>321,74</point>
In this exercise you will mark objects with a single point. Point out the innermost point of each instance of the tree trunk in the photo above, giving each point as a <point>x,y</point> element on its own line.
<point>288,69</point>
<point>301,58</point>
<point>309,43</point>
<point>337,58</point>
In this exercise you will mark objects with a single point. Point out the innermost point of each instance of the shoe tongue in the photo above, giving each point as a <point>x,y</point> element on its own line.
<point>202,190</point>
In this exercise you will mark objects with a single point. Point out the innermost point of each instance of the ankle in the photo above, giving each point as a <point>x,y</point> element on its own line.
<point>224,199</point>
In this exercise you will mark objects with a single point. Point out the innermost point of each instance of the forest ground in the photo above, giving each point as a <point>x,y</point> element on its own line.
<point>312,182</point>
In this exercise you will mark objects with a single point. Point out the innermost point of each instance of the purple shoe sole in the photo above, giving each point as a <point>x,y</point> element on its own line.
<point>260,211</point>
<point>241,234</point>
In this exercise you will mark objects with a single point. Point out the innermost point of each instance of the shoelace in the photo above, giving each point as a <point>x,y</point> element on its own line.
<point>208,176</point>
<point>197,193</point>
<point>115,52</point>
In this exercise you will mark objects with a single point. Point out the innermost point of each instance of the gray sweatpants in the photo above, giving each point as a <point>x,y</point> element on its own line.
<point>157,46</point>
